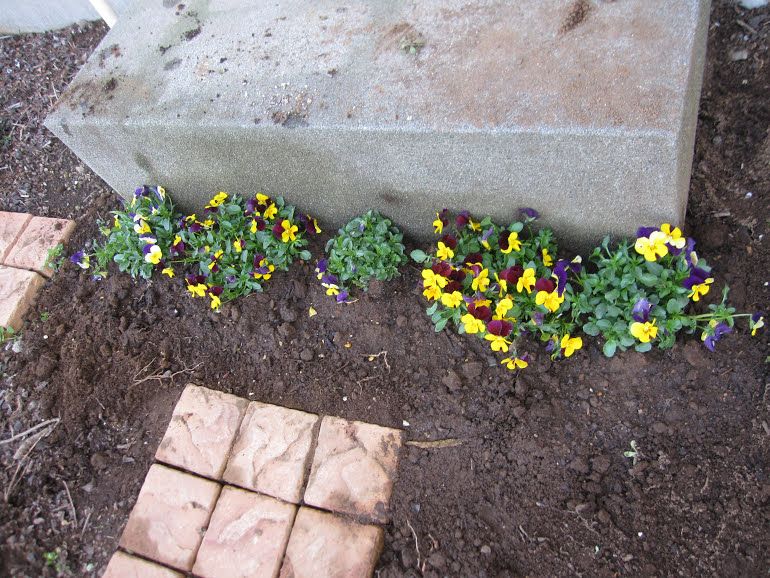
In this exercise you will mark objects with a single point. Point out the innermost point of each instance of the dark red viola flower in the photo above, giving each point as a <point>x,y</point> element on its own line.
<point>442,268</point>
<point>449,241</point>
<point>453,286</point>
<point>277,230</point>
<point>195,227</point>
<point>457,275</point>
<point>216,290</point>
<point>258,260</point>
<point>545,285</point>
<point>500,327</point>
<point>484,313</point>
<point>473,258</point>
<point>462,219</point>
<point>512,274</point>
<point>195,279</point>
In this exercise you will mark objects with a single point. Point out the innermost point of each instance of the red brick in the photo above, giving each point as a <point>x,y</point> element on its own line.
<point>170,516</point>
<point>354,467</point>
<point>18,290</point>
<point>325,545</point>
<point>246,537</point>
<point>124,565</point>
<point>11,224</point>
<point>41,235</point>
<point>201,431</point>
<point>272,451</point>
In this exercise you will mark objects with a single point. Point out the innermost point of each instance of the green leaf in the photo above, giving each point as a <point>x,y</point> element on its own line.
<point>609,348</point>
<point>591,329</point>
<point>418,256</point>
<point>432,309</point>
<point>643,347</point>
<point>441,324</point>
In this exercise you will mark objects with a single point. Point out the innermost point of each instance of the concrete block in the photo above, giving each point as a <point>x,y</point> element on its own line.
<point>41,15</point>
<point>41,235</point>
<point>582,109</point>
<point>123,565</point>
<point>11,226</point>
<point>18,290</point>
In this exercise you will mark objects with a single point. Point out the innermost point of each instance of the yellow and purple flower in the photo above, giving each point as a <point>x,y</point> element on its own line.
<point>81,259</point>
<point>310,224</point>
<point>481,281</point>
<point>440,222</point>
<point>444,252</point>
<point>529,214</point>
<point>644,331</point>
<point>509,243</point>
<point>152,253</point>
<point>497,332</point>
<point>652,247</point>
<point>756,323</point>
<point>514,363</point>
<point>484,239</point>
<point>471,324</point>
<point>177,247</point>
<point>570,345</point>
<point>698,283</point>
<point>320,268</point>
<point>214,293</point>
<point>285,231</point>
<point>714,332</point>
<point>641,311</point>
<point>526,281</point>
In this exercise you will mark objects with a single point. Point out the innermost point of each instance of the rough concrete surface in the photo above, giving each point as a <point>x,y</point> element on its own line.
<point>582,109</point>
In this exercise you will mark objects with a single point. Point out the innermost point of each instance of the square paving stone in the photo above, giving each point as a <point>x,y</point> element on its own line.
<point>124,565</point>
<point>323,545</point>
<point>18,289</point>
<point>201,431</point>
<point>272,451</point>
<point>11,224</point>
<point>170,516</point>
<point>246,538</point>
<point>353,468</point>
<point>41,235</point>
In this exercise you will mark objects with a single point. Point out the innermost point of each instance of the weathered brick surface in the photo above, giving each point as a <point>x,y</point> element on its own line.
<point>325,545</point>
<point>40,235</point>
<point>246,537</point>
<point>271,451</point>
<point>11,224</point>
<point>124,565</point>
<point>353,468</point>
<point>170,515</point>
<point>202,430</point>
<point>18,289</point>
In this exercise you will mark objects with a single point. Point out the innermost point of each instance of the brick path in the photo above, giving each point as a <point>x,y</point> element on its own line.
<point>24,244</point>
<point>246,489</point>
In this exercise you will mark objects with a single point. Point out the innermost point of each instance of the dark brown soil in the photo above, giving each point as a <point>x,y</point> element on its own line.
<point>539,486</point>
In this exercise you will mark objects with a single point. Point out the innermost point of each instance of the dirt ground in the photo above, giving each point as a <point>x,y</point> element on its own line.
<point>539,486</point>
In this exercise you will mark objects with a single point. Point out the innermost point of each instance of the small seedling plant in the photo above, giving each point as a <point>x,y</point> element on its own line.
<point>366,248</point>
<point>500,283</point>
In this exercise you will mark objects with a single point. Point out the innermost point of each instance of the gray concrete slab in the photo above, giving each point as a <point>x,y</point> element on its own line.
<point>584,110</point>
<point>21,16</point>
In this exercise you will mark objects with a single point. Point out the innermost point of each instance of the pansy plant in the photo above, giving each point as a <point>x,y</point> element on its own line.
<point>366,248</point>
<point>499,283</point>
<point>235,244</point>
<point>138,238</point>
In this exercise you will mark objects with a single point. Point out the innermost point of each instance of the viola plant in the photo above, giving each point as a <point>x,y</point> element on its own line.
<point>138,239</point>
<point>500,283</point>
<point>368,247</point>
<point>237,244</point>
<point>641,295</point>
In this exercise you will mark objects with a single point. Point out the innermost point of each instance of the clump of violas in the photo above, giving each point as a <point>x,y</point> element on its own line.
<point>504,283</point>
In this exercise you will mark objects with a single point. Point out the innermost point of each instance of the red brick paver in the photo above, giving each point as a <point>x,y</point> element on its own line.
<point>170,516</point>
<point>11,224</point>
<point>326,546</point>
<point>31,248</point>
<point>201,432</point>
<point>272,451</point>
<point>353,468</point>
<point>18,289</point>
<point>246,538</point>
<point>123,565</point>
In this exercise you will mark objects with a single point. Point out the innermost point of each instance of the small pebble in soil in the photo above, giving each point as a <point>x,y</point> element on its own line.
<point>486,550</point>
<point>306,354</point>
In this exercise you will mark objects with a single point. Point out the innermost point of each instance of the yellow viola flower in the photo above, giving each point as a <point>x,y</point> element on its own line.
<point>497,342</point>
<point>161,192</point>
<point>471,324</point>
<point>153,254</point>
<point>238,245</point>
<point>431,279</point>
<point>673,236</point>
<point>168,271</point>
<point>481,281</point>
<point>452,300</point>
<point>550,301</point>
<point>270,212</point>
<point>438,225</point>
<point>474,225</point>
<point>142,228</point>
<point>262,199</point>
<point>116,222</point>
<point>190,218</point>
<point>570,344</point>
<point>218,199</point>
<point>198,290</point>
<point>208,223</point>
<point>503,307</point>
<point>700,289</point>
<point>515,363</point>
<point>444,252</point>
<point>514,244</point>
<point>216,302</point>
<point>502,285</point>
<point>253,228</point>
<point>289,232</point>
<point>526,281</point>
<point>644,332</point>
<point>432,292</point>
<point>547,259</point>
<point>652,247</point>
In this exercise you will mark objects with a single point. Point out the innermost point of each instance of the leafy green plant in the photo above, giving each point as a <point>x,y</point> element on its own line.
<point>368,247</point>
<point>44,316</point>
<point>54,258</point>
<point>8,334</point>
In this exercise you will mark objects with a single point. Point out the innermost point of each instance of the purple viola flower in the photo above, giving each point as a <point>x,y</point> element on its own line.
<point>195,227</point>
<point>320,267</point>
<point>342,296</point>
<point>538,318</point>
<point>140,191</point>
<point>329,279</point>
<point>645,231</point>
<point>251,206</point>
<point>487,234</point>
<point>720,330</point>
<point>552,345</point>
<point>697,277</point>
<point>529,213</point>
<point>641,311</point>
<point>81,260</point>
<point>560,272</point>
<point>462,219</point>
<point>230,279</point>
<point>177,248</point>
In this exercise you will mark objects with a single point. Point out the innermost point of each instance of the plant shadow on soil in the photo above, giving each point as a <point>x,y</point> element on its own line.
<point>540,484</point>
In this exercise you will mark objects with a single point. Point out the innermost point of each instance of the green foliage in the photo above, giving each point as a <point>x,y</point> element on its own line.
<point>55,257</point>
<point>8,334</point>
<point>368,247</point>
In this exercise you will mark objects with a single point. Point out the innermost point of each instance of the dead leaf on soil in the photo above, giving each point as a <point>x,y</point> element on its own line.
<point>446,443</point>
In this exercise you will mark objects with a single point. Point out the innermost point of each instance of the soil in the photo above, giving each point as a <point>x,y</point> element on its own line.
<point>540,484</point>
